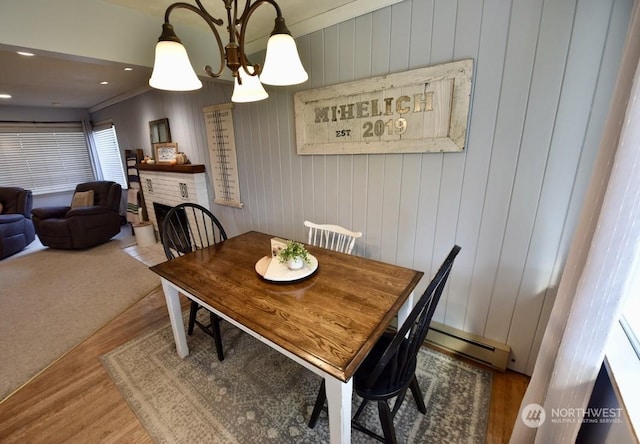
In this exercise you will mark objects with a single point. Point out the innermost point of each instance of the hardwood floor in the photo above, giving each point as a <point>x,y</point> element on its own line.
<point>506,395</point>
<point>74,400</point>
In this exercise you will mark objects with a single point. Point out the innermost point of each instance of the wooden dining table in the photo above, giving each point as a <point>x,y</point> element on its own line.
<point>327,322</point>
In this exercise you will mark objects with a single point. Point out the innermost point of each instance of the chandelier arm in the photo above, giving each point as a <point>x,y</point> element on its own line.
<point>218,22</point>
<point>201,11</point>
<point>231,19</point>
<point>243,20</point>
<point>211,21</point>
<point>250,9</point>
<point>247,4</point>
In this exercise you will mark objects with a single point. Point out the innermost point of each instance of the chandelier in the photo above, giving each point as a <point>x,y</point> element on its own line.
<point>172,69</point>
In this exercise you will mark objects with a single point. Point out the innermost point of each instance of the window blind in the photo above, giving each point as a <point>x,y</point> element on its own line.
<point>44,158</point>
<point>108,151</point>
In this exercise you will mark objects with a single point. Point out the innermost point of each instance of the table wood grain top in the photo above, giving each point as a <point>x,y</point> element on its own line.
<point>331,319</point>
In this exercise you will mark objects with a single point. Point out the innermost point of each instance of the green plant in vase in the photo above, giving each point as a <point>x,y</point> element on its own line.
<point>295,255</point>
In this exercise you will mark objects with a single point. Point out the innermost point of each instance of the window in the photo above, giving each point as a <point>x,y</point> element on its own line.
<point>623,350</point>
<point>631,313</point>
<point>44,158</point>
<point>108,153</point>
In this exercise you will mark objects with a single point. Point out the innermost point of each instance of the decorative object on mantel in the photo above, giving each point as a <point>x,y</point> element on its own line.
<point>159,131</point>
<point>417,111</point>
<point>166,152</point>
<point>172,69</point>
<point>148,160</point>
<point>181,158</point>
<point>222,152</point>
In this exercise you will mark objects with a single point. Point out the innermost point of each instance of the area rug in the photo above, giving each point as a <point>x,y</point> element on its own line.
<point>257,395</point>
<point>51,300</point>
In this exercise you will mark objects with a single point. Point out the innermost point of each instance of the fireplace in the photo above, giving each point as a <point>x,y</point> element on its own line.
<point>170,185</point>
<point>161,211</point>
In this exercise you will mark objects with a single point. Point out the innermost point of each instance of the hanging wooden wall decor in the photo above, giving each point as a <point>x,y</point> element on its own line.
<point>222,151</point>
<point>417,111</point>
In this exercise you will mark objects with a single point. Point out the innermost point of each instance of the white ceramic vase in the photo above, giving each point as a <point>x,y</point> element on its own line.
<point>295,263</point>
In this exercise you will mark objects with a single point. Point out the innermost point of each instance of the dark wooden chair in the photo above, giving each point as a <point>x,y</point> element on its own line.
<point>186,228</point>
<point>389,369</point>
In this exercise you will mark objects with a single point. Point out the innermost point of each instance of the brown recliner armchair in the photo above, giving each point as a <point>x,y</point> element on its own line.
<point>16,227</point>
<point>93,217</point>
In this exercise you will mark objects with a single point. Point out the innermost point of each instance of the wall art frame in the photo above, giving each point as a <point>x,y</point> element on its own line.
<point>417,111</point>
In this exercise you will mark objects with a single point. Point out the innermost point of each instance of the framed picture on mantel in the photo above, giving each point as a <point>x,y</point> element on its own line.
<point>166,152</point>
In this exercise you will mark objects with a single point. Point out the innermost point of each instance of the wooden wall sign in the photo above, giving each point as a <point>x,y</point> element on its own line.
<point>417,111</point>
<point>222,151</point>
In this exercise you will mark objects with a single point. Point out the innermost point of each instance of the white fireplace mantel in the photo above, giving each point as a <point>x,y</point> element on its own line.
<point>172,185</point>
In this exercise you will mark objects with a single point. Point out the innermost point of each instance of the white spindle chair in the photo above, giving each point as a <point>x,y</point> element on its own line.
<point>332,237</point>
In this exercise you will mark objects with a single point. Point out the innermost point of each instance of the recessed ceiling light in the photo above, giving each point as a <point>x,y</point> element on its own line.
<point>5,96</point>
<point>27,54</point>
<point>104,83</point>
<point>128,69</point>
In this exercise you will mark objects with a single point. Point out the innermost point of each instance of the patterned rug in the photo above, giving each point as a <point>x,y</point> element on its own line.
<point>257,395</point>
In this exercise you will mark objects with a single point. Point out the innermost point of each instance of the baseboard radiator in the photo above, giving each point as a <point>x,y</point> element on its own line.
<point>472,346</point>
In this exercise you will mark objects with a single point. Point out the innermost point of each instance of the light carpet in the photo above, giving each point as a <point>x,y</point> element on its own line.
<point>51,300</point>
<point>257,395</point>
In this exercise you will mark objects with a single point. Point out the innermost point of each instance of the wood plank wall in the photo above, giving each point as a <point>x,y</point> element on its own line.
<point>543,82</point>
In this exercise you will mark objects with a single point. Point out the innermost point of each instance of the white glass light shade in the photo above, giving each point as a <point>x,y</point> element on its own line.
<point>251,89</point>
<point>172,69</point>
<point>282,65</point>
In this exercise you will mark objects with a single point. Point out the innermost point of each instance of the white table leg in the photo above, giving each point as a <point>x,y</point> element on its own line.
<point>339,403</point>
<point>175,315</point>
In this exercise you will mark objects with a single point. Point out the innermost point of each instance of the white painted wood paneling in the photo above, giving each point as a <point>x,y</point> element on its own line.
<point>491,28</point>
<point>480,229</point>
<point>534,143</point>
<point>607,44</point>
<point>544,72</point>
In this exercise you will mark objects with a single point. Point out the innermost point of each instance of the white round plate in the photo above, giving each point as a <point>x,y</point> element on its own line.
<point>272,270</point>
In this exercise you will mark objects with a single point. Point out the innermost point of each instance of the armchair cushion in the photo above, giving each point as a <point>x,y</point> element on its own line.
<point>82,199</point>
<point>79,225</point>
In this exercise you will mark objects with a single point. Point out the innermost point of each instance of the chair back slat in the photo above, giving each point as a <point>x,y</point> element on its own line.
<point>402,351</point>
<point>188,227</point>
<point>332,237</point>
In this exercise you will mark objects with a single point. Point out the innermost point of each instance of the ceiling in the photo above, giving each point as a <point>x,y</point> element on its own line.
<point>59,80</point>
<point>54,79</point>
